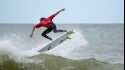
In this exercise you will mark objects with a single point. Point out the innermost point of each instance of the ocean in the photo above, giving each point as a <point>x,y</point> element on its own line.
<point>91,47</point>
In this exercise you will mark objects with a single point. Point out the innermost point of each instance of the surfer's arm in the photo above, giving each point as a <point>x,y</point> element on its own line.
<point>59,11</point>
<point>32,31</point>
<point>52,16</point>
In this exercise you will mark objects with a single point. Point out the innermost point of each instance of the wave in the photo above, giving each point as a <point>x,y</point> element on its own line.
<point>51,62</point>
<point>70,55</point>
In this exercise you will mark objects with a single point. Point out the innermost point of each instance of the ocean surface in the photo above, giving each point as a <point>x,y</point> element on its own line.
<point>91,47</point>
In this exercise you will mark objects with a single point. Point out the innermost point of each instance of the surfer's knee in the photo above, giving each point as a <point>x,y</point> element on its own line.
<point>43,34</point>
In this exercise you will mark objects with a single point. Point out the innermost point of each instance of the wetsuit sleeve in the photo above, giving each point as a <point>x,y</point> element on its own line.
<point>52,16</point>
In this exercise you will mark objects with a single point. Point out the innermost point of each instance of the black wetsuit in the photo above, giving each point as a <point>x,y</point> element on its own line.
<point>51,27</point>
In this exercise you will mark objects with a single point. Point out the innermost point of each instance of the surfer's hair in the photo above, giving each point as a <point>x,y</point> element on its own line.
<point>42,18</point>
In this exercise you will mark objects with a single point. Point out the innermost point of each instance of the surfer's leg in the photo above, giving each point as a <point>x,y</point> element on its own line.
<point>46,32</point>
<point>55,29</point>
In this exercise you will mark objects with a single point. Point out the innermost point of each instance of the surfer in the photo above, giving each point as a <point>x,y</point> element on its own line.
<point>48,23</point>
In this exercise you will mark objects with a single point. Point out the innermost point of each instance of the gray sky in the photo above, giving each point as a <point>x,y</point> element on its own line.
<point>77,11</point>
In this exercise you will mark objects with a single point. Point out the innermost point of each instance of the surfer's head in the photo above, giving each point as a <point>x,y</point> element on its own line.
<point>42,18</point>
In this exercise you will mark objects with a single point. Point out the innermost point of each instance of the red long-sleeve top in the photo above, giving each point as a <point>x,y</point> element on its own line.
<point>45,22</point>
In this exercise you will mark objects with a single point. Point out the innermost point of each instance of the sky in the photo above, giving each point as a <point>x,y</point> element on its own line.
<point>76,11</point>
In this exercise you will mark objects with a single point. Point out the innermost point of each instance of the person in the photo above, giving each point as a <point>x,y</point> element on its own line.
<point>48,23</point>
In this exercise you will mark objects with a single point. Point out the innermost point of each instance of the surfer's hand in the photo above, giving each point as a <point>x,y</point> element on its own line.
<point>62,9</point>
<point>31,35</point>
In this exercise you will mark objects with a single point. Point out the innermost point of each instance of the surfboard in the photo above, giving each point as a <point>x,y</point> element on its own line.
<point>57,41</point>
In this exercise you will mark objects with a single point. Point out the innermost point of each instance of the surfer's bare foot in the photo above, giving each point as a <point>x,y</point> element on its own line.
<point>51,39</point>
<point>64,31</point>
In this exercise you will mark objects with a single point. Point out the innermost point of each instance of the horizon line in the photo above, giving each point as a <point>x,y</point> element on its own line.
<point>64,23</point>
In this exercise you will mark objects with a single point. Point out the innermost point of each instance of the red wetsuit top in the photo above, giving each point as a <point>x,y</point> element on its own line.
<point>45,22</point>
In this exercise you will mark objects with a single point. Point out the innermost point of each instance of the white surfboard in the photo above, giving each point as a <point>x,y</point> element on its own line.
<point>57,41</point>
